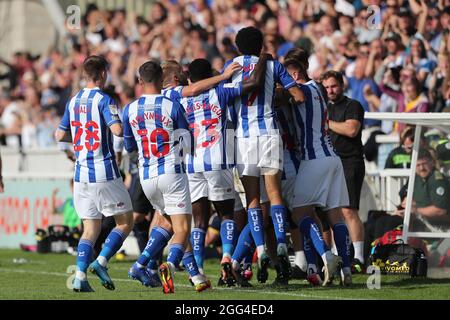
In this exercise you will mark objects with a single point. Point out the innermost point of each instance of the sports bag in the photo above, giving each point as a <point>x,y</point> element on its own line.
<point>398,258</point>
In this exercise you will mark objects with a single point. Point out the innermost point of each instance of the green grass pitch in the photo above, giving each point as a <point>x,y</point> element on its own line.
<point>44,277</point>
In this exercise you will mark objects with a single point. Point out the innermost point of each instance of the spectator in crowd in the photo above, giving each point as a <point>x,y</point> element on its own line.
<point>431,193</point>
<point>2,187</point>
<point>410,98</point>
<point>400,157</point>
<point>10,121</point>
<point>420,60</point>
<point>396,61</point>
<point>439,98</point>
<point>360,82</point>
<point>443,156</point>
<point>10,75</point>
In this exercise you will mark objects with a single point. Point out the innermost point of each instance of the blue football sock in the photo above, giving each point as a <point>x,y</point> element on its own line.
<point>310,253</point>
<point>309,227</point>
<point>255,220</point>
<point>278,215</point>
<point>198,245</point>
<point>245,245</point>
<point>156,243</point>
<point>228,235</point>
<point>342,241</point>
<point>85,248</point>
<point>176,252</point>
<point>152,265</point>
<point>248,258</point>
<point>190,264</point>
<point>112,244</point>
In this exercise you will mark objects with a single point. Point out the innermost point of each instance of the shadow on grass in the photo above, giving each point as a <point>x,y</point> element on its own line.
<point>300,287</point>
<point>417,281</point>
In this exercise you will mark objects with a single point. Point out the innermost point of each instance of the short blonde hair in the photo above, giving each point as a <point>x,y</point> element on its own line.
<point>170,68</point>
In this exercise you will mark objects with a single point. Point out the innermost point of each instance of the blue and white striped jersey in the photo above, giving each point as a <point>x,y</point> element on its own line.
<point>254,113</point>
<point>286,126</point>
<point>88,116</point>
<point>311,124</point>
<point>156,127</point>
<point>207,117</point>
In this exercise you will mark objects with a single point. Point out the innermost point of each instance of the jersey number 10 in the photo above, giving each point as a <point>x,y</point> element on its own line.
<point>151,145</point>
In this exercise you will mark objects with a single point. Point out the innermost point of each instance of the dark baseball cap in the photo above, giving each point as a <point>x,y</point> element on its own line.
<point>393,36</point>
<point>446,10</point>
<point>404,12</point>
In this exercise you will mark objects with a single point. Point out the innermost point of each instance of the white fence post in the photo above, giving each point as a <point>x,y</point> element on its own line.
<point>412,177</point>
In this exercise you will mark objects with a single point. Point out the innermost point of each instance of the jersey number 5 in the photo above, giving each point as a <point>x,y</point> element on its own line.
<point>91,129</point>
<point>151,145</point>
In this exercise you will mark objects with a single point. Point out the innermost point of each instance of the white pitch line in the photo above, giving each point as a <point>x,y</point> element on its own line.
<point>300,295</point>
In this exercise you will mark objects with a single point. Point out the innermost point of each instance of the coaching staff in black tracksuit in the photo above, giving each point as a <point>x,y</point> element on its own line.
<point>346,118</point>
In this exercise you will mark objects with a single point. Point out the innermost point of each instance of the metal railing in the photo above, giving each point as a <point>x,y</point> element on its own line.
<point>388,183</point>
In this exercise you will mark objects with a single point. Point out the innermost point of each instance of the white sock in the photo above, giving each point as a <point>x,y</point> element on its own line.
<point>226,255</point>
<point>260,250</point>
<point>300,260</point>
<point>80,275</point>
<point>359,250</point>
<point>172,268</point>
<point>200,278</point>
<point>334,250</point>
<point>102,261</point>
<point>200,270</point>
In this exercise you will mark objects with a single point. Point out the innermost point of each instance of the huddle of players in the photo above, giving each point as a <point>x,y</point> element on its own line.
<point>182,128</point>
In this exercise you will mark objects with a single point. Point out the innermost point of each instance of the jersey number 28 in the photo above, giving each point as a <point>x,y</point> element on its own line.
<point>91,129</point>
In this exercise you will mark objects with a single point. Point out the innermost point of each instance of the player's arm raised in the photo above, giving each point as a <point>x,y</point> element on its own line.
<point>258,76</point>
<point>203,85</point>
